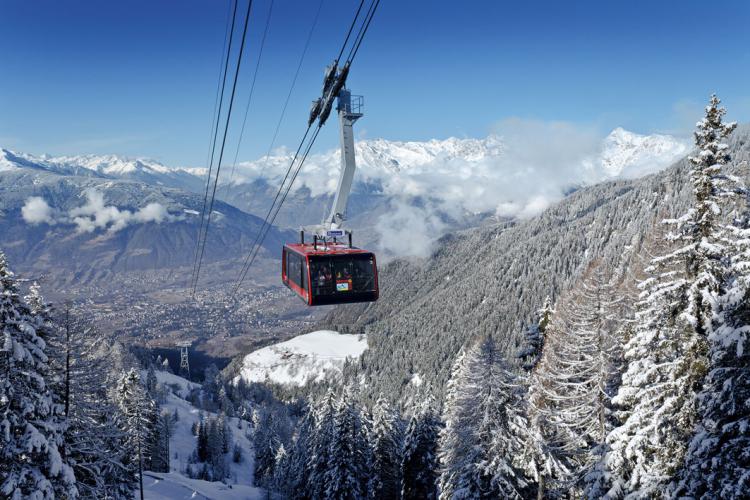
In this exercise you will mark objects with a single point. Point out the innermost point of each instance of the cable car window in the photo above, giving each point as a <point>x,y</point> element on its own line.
<point>342,269</point>
<point>362,274</point>
<point>321,274</point>
<point>342,275</point>
<point>294,268</point>
<point>303,270</point>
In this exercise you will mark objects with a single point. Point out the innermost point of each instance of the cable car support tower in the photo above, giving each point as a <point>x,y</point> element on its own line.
<point>349,108</point>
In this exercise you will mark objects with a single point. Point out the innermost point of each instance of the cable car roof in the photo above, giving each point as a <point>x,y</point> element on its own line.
<point>330,249</point>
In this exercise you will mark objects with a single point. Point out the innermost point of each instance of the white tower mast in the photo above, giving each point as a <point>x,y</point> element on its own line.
<point>349,108</point>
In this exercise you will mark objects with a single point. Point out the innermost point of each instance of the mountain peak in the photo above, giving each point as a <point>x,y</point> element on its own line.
<point>628,154</point>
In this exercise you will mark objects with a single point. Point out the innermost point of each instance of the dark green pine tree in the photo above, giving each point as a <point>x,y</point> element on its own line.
<point>321,440</point>
<point>420,461</point>
<point>346,472</point>
<point>718,461</point>
<point>387,444</point>
<point>296,482</point>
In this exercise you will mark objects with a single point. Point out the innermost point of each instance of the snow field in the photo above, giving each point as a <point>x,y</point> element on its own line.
<point>310,357</point>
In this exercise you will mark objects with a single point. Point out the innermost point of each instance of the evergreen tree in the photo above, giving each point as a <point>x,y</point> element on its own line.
<point>31,422</point>
<point>668,355</point>
<point>386,443</point>
<point>298,474</point>
<point>346,471</point>
<point>420,462</point>
<point>717,460</point>
<point>281,471</point>
<point>165,366</point>
<point>136,419</point>
<point>267,442</point>
<point>531,351</point>
<point>485,427</point>
<point>151,381</point>
<point>94,441</point>
<point>159,450</point>
<point>201,449</point>
<point>321,442</point>
<point>216,458</point>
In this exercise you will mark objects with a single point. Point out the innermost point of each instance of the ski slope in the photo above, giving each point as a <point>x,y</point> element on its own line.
<point>310,357</point>
<point>175,485</point>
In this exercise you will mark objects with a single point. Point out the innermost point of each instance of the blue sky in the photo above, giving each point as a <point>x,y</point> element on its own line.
<point>138,78</point>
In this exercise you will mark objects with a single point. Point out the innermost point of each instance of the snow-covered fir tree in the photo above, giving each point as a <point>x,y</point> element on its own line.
<point>159,449</point>
<point>717,460</point>
<point>216,459</point>
<point>296,478</point>
<point>267,440</point>
<point>151,381</point>
<point>485,428</point>
<point>386,441</point>
<point>136,419</point>
<point>420,467</point>
<point>347,473</point>
<point>31,422</point>
<point>281,471</point>
<point>321,442</point>
<point>668,354</point>
<point>531,350</point>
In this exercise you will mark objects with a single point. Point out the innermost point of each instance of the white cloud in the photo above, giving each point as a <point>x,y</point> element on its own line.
<point>94,214</point>
<point>153,212</point>
<point>37,211</point>
<point>409,230</point>
<point>522,168</point>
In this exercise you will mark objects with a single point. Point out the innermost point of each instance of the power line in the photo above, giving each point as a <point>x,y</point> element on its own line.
<point>371,13</point>
<point>250,260</point>
<point>260,235</point>
<point>275,135</point>
<point>351,27</point>
<point>223,142</point>
<point>289,94</point>
<point>266,224</point>
<point>214,129</point>
<point>250,96</point>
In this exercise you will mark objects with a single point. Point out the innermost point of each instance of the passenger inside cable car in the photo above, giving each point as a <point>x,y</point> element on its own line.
<point>334,277</point>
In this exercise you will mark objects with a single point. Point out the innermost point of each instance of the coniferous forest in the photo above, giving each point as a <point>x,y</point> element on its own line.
<point>625,375</point>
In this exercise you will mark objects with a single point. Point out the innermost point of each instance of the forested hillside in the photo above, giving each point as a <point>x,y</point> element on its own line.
<point>631,381</point>
<point>491,280</point>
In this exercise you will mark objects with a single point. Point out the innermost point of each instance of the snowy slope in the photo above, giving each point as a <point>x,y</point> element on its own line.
<point>181,446</point>
<point>630,155</point>
<point>174,486</point>
<point>309,357</point>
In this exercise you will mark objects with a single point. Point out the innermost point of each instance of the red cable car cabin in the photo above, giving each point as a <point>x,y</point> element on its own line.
<point>329,274</point>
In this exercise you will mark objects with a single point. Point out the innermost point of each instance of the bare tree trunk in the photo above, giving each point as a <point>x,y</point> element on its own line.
<point>540,490</point>
<point>140,467</point>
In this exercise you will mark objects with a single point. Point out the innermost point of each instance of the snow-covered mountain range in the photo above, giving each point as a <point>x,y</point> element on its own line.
<point>406,194</point>
<point>391,164</point>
